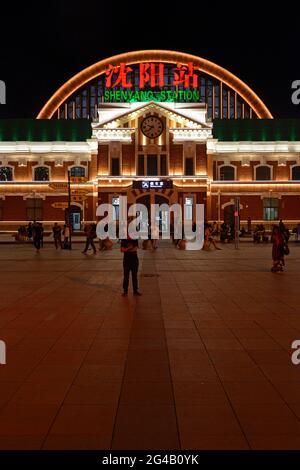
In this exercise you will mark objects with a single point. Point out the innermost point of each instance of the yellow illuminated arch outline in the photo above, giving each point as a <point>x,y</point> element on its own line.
<point>136,57</point>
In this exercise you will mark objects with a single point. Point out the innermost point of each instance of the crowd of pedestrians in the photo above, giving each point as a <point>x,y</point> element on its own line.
<point>34,232</point>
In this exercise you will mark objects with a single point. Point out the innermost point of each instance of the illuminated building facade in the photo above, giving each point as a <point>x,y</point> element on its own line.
<point>156,126</point>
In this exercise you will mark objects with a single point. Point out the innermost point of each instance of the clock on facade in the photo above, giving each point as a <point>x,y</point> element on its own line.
<point>152,126</point>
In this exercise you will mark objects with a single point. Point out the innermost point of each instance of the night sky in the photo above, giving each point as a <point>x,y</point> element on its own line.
<point>45,43</point>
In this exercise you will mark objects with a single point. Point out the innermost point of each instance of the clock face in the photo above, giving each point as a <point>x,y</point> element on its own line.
<point>152,127</point>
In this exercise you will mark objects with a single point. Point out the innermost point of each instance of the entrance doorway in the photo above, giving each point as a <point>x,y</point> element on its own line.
<point>162,217</point>
<point>75,217</point>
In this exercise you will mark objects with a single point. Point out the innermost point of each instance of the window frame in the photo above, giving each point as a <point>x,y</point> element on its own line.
<point>291,172</point>
<point>12,170</point>
<point>185,166</point>
<point>158,156</point>
<point>225,165</point>
<point>76,166</point>
<point>41,166</point>
<point>264,165</point>
<point>270,207</point>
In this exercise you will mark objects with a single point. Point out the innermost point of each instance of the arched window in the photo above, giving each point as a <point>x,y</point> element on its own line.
<point>77,171</point>
<point>6,173</point>
<point>41,173</point>
<point>227,173</point>
<point>296,172</point>
<point>263,173</point>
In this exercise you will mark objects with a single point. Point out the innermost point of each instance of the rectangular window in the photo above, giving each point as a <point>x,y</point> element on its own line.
<point>225,103</point>
<point>270,209</point>
<point>34,209</point>
<point>141,171</point>
<point>188,209</point>
<point>163,165</point>
<point>189,166</point>
<point>115,167</point>
<point>116,206</point>
<point>152,165</point>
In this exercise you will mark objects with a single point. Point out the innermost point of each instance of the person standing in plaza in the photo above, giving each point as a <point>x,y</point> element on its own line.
<point>56,229</point>
<point>29,230</point>
<point>282,226</point>
<point>278,242</point>
<point>129,248</point>
<point>37,235</point>
<point>154,236</point>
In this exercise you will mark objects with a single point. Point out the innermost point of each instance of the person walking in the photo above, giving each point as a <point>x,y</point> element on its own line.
<point>278,242</point>
<point>66,234</point>
<point>129,248</point>
<point>90,235</point>
<point>56,229</point>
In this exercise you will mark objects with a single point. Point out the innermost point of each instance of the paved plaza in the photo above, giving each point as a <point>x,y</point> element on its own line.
<point>201,361</point>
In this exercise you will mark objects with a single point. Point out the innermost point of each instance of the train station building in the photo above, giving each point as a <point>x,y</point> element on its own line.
<point>157,127</point>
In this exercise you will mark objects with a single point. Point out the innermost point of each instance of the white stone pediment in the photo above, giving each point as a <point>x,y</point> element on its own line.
<point>113,116</point>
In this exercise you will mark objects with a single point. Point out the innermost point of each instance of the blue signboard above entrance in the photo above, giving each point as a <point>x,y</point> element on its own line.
<point>152,184</point>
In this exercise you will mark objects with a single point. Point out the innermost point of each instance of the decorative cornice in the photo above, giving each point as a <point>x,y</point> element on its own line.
<point>48,147</point>
<point>214,146</point>
<point>180,135</point>
<point>108,135</point>
<point>34,196</point>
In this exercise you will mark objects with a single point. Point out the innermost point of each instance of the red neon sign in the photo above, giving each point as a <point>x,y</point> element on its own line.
<point>122,70</point>
<point>150,74</point>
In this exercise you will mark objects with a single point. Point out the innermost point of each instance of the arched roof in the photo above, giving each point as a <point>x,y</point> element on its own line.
<point>203,65</point>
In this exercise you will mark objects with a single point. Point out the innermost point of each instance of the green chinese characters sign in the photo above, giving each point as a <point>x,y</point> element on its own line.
<point>149,95</point>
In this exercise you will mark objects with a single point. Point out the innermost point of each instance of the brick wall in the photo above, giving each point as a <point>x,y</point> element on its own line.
<point>93,167</point>
<point>282,173</point>
<point>103,159</point>
<point>289,207</point>
<point>201,159</point>
<point>52,213</point>
<point>252,206</point>
<point>89,212</point>
<point>176,159</point>
<point>128,159</point>
<point>14,208</point>
<point>243,172</point>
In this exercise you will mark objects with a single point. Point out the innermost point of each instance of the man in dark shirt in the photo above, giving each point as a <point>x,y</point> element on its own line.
<point>56,229</point>
<point>130,263</point>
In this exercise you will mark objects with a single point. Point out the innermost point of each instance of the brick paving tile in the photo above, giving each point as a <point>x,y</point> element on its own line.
<point>85,420</point>
<point>26,419</point>
<point>145,427</point>
<point>201,361</point>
